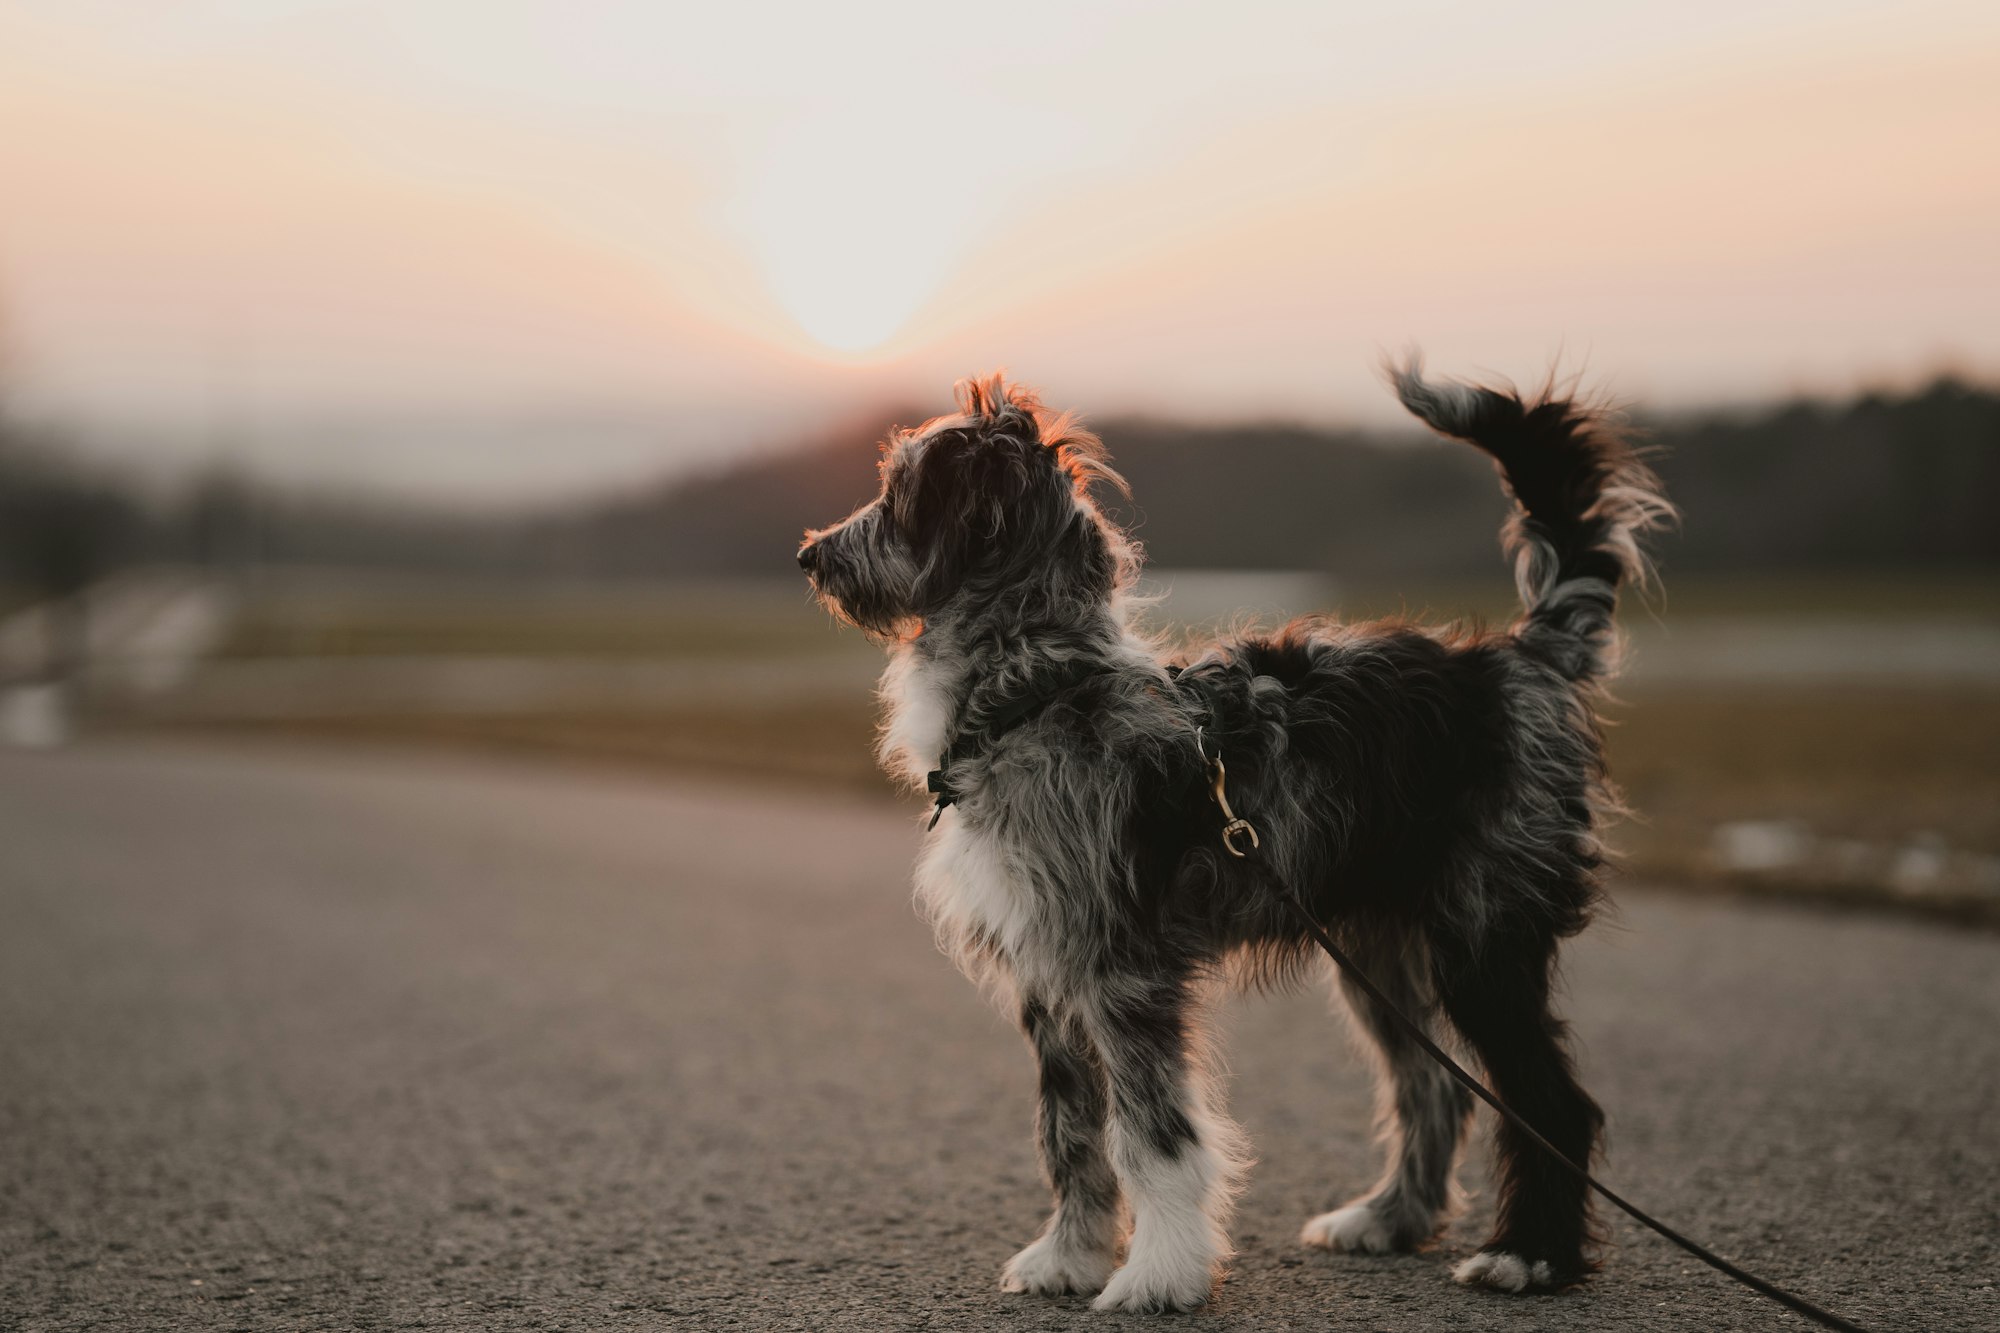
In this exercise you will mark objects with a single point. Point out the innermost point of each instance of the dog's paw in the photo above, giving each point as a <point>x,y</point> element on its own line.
<point>1143,1288</point>
<point>1503,1271</point>
<point>1047,1269</point>
<point>1355,1229</point>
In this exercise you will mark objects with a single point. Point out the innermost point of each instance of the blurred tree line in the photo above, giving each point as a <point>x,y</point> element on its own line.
<point>61,528</point>
<point>1885,481</point>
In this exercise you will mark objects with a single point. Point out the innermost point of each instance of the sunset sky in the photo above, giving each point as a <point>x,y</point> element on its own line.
<point>492,249</point>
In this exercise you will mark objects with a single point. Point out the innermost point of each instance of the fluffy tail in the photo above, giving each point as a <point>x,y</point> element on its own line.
<point>1584,499</point>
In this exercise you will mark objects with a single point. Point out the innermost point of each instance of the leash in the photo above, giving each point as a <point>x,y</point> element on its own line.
<point>1236,826</point>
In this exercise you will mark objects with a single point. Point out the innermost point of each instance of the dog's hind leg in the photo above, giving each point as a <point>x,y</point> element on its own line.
<point>1177,1156</point>
<point>1496,993</point>
<point>1078,1248</point>
<point>1421,1112</point>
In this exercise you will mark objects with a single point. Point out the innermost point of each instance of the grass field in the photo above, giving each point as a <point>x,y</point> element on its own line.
<point>484,619</point>
<point>355,616</point>
<point>1953,597</point>
<point>1849,790</point>
<point>496,632</point>
<point>1861,776</point>
<point>1868,785</point>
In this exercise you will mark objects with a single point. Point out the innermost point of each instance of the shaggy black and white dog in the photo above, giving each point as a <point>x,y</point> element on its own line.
<point>1434,793</point>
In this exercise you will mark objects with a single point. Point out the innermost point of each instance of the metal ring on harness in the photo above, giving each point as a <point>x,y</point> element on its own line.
<point>1236,824</point>
<point>1234,827</point>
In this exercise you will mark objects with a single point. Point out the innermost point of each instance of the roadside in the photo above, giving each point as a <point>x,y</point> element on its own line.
<point>137,638</point>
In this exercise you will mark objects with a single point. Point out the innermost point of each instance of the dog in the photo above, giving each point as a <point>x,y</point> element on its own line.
<point>1434,793</point>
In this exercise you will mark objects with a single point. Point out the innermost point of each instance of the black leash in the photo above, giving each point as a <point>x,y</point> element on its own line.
<point>1287,895</point>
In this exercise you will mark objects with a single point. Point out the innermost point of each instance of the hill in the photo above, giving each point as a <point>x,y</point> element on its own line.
<point>1879,482</point>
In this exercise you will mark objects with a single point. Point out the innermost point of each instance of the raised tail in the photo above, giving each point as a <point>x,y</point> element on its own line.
<point>1584,500</point>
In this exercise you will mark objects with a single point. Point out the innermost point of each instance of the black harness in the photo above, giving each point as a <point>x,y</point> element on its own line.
<point>1193,698</point>
<point>968,744</point>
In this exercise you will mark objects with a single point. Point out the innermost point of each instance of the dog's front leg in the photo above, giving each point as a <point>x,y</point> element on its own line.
<point>1177,1156</point>
<point>1078,1248</point>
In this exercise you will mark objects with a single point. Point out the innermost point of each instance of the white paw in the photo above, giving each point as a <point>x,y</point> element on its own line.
<point>1141,1288</point>
<point>1355,1229</point>
<point>1047,1269</point>
<point>1503,1272</point>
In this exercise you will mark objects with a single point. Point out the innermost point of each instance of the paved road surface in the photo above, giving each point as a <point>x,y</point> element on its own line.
<point>350,1041</point>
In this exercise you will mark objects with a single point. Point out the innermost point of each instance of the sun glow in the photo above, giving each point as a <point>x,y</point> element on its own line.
<point>857,218</point>
<point>726,213</point>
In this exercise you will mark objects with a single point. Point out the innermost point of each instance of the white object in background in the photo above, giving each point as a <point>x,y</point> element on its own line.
<point>1761,844</point>
<point>1222,597</point>
<point>34,717</point>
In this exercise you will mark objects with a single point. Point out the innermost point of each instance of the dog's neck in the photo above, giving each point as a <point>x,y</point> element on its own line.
<point>970,658</point>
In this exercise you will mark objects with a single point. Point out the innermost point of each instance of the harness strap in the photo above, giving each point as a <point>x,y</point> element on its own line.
<point>1012,714</point>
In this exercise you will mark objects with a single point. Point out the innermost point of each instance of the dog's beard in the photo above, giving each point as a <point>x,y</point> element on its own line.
<point>867,590</point>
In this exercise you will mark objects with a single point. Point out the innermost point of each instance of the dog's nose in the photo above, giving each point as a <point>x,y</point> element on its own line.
<point>808,557</point>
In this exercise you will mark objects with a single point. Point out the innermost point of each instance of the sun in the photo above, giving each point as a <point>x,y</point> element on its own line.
<point>852,226</point>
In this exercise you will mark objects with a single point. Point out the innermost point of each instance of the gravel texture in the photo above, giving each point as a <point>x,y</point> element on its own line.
<point>344,1040</point>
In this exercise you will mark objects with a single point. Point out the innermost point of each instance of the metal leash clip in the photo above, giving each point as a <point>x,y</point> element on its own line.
<point>1216,790</point>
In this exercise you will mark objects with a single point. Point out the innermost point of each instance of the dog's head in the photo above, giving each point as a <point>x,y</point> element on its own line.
<point>990,504</point>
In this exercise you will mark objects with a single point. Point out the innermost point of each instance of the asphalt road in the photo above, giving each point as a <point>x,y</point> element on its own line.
<point>343,1040</point>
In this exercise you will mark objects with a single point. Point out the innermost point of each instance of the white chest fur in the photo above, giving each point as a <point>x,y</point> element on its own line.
<point>973,893</point>
<point>969,885</point>
<point>916,705</point>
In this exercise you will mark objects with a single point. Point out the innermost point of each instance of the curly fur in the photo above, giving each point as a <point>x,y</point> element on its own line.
<point>1435,792</point>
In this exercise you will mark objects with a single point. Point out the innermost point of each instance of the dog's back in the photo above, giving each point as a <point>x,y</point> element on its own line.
<point>1443,771</point>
